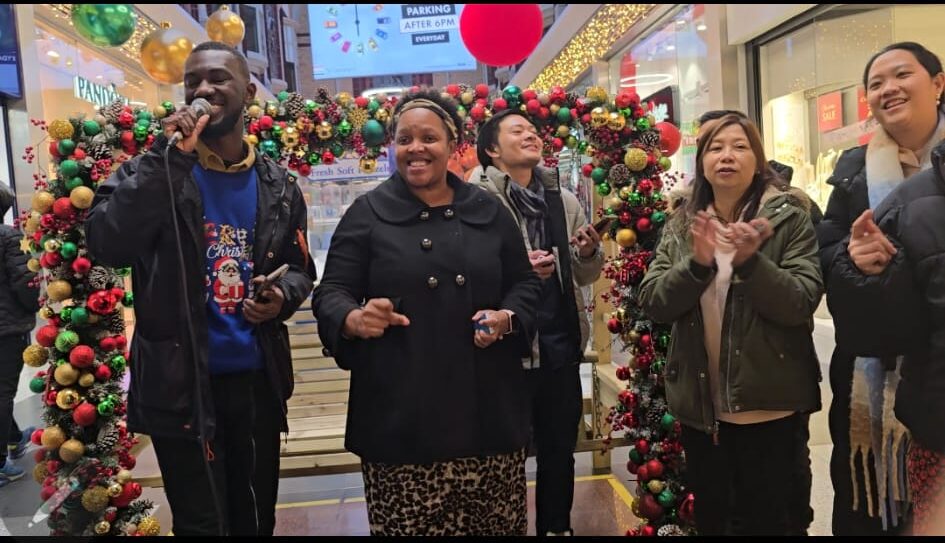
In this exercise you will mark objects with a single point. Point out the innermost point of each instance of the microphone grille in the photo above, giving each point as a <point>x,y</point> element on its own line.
<point>201,106</point>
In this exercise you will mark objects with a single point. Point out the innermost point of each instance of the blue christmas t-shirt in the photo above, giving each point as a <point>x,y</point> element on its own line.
<point>229,202</point>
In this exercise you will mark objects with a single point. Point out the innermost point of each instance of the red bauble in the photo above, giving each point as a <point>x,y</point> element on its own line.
<point>643,474</point>
<point>648,531</point>
<point>51,397</point>
<point>305,169</point>
<point>101,302</point>
<point>452,90</point>
<point>642,447</point>
<point>52,466</point>
<point>629,420</point>
<point>84,414</point>
<point>54,149</point>
<point>328,157</point>
<point>627,398</point>
<point>81,356</point>
<point>533,106</point>
<point>128,462</point>
<point>477,113</point>
<point>265,122</point>
<point>46,336</point>
<point>687,510</point>
<point>81,265</point>
<point>670,138</point>
<point>50,260</point>
<point>646,340</point>
<point>78,154</point>
<point>623,373</point>
<point>127,139</point>
<point>544,113</point>
<point>655,469</point>
<point>631,467</point>
<point>107,344</point>
<point>645,186</point>
<point>126,119</point>
<point>121,343</point>
<point>587,170</point>
<point>37,436</point>
<point>520,26</point>
<point>111,515</point>
<point>644,225</point>
<point>103,373</point>
<point>47,492</point>
<point>649,507</point>
<point>499,104</point>
<point>117,293</point>
<point>623,100</point>
<point>557,144</point>
<point>625,217</point>
<point>63,209</point>
<point>361,101</point>
<point>39,455</point>
<point>614,326</point>
<point>482,90</point>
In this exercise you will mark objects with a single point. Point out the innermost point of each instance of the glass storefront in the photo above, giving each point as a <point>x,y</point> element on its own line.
<point>670,67</point>
<point>811,91</point>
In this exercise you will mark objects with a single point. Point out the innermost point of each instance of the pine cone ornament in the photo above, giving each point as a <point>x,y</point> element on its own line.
<point>113,110</point>
<point>620,175</point>
<point>294,105</point>
<point>650,138</point>
<point>115,323</point>
<point>99,151</point>
<point>99,278</point>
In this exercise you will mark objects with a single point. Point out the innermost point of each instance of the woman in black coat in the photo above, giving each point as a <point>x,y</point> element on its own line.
<point>904,89</point>
<point>428,298</point>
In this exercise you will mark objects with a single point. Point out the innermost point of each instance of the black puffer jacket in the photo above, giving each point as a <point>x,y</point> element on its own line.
<point>902,310</point>
<point>18,301</point>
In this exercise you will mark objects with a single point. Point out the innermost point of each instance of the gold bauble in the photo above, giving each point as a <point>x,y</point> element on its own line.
<point>343,98</point>
<point>564,131</point>
<point>71,451</point>
<point>626,237</point>
<point>323,130</point>
<point>382,115</point>
<point>60,129</point>
<point>100,119</point>
<point>66,374</point>
<point>553,108</point>
<point>614,203</point>
<point>42,201</point>
<point>655,486</point>
<point>32,224</point>
<point>59,290</point>
<point>467,97</point>
<point>123,476</point>
<point>633,336</point>
<point>272,109</point>
<point>254,111</point>
<point>635,159</point>
<point>252,139</point>
<point>103,527</point>
<point>624,193</point>
<point>35,356</point>
<point>114,490</point>
<point>616,121</point>
<point>163,54</point>
<point>367,165</point>
<point>226,26</point>
<point>53,438</point>
<point>598,117</point>
<point>149,526</point>
<point>52,245</point>
<point>94,499</point>
<point>635,507</point>
<point>40,472</point>
<point>290,137</point>
<point>67,398</point>
<point>159,112</point>
<point>33,265</point>
<point>81,197</point>
<point>47,312</point>
<point>85,380</point>
<point>597,94</point>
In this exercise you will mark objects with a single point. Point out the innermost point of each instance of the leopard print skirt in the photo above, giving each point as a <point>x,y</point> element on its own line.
<point>466,496</point>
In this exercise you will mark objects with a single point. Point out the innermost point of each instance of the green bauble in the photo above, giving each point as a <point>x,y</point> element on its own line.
<point>635,199</point>
<point>564,115</point>
<point>37,385</point>
<point>635,456</point>
<point>123,272</point>
<point>277,131</point>
<point>105,25</point>
<point>68,168</point>
<point>663,340</point>
<point>66,147</point>
<point>283,96</point>
<point>118,363</point>
<point>667,422</point>
<point>643,124</point>
<point>168,106</point>
<point>106,409</point>
<point>270,148</point>
<point>66,314</point>
<point>666,498</point>
<point>603,189</point>
<point>73,183</point>
<point>656,196</point>
<point>344,128</point>
<point>140,132</point>
<point>666,163</point>
<point>80,316</point>
<point>310,105</point>
<point>658,217</point>
<point>144,116</point>
<point>582,147</point>
<point>572,142</point>
<point>67,339</point>
<point>128,300</point>
<point>337,149</point>
<point>512,94</point>
<point>373,133</point>
<point>373,106</point>
<point>599,175</point>
<point>91,128</point>
<point>314,159</point>
<point>68,250</point>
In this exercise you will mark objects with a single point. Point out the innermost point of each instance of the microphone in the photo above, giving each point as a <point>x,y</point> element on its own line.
<point>201,107</point>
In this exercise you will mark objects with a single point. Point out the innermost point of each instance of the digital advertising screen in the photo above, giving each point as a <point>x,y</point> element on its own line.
<point>360,40</point>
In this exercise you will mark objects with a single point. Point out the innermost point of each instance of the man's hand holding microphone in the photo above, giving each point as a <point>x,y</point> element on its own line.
<point>184,126</point>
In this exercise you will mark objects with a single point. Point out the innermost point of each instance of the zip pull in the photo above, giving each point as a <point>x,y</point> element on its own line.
<point>715,438</point>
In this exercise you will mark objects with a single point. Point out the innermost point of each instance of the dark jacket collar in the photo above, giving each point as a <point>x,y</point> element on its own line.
<point>393,202</point>
<point>938,160</point>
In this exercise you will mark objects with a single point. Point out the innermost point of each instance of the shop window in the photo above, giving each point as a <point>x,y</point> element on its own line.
<point>251,38</point>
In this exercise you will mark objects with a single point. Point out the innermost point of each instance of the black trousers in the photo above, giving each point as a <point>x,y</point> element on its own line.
<point>556,409</point>
<point>800,513</point>
<point>11,363</point>
<point>266,434</point>
<point>232,461</point>
<point>748,475</point>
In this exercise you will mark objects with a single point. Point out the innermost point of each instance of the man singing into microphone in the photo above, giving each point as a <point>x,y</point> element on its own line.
<point>210,364</point>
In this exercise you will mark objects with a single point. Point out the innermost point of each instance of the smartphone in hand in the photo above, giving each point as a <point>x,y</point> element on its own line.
<point>269,281</point>
<point>602,226</point>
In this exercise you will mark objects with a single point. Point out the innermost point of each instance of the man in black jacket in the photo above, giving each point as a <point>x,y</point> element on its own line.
<point>201,223</point>
<point>18,306</point>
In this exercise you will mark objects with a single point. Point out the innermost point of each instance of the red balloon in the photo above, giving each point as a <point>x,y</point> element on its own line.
<point>501,34</point>
<point>670,138</point>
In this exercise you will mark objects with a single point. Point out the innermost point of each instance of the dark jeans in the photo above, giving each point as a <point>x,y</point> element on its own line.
<point>556,409</point>
<point>846,521</point>
<point>800,513</point>
<point>231,459</point>
<point>267,434</point>
<point>749,473</point>
<point>11,363</point>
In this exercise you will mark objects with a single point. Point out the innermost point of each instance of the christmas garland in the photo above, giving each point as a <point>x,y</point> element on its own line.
<point>84,464</point>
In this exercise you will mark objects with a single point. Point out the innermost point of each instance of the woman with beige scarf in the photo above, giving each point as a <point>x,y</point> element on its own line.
<point>904,84</point>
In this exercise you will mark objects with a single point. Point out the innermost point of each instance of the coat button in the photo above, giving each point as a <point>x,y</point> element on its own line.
<point>448,213</point>
<point>270,255</point>
<point>325,351</point>
<point>460,280</point>
<point>426,244</point>
<point>701,375</point>
<point>424,215</point>
<point>432,282</point>
<point>738,352</point>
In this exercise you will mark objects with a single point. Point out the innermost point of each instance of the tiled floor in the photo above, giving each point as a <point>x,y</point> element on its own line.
<point>334,504</point>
